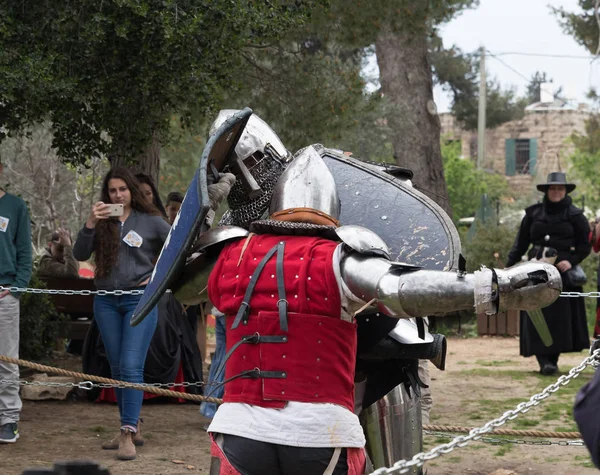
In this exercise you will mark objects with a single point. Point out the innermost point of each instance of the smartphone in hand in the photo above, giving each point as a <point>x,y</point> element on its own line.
<point>115,209</point>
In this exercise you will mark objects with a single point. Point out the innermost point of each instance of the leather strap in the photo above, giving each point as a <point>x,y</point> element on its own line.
<point>282,303</point>
<point>245,339</point>
<point>333,462</point>
<point>257,373</point>
<point>244,310</point>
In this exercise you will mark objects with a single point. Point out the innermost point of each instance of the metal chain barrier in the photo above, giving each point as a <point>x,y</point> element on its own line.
<point>31,290</point>
<point>404,466</point>
<point>107,382</point>
<point>88,385</point>
<point>592,295</point>
<point>497,441</point>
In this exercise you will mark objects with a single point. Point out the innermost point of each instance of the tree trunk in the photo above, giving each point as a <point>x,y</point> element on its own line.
<point>148,162</point>
<point>406,80</point>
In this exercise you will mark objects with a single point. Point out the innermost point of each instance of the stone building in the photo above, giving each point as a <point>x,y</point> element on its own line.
<point>525,150</point>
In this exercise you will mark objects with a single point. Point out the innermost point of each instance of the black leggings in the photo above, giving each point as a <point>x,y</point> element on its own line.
<point>251,457</point>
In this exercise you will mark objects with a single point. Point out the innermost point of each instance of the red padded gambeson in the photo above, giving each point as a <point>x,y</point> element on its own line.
<point>318,357</point>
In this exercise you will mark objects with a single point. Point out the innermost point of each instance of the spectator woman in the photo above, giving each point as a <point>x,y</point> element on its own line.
<point>125,248</point>
<point>555,223</point>
<point>150,192</point>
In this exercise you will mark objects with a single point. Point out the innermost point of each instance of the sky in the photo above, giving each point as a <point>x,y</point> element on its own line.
<point>524,26</point>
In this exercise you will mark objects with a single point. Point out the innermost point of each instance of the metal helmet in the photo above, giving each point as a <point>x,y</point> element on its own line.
<point>306,184</point>
<point>256,136</point>
<point>266,157</point>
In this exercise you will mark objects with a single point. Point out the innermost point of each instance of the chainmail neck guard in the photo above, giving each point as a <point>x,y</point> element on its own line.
<point>289,228</point>
<point>242,210</point>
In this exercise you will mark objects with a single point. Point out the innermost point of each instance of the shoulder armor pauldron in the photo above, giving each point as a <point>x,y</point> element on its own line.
<point>216,238</point>
<point>363,241</point>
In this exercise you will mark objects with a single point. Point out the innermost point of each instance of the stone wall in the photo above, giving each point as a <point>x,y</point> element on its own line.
<point>551,128</point>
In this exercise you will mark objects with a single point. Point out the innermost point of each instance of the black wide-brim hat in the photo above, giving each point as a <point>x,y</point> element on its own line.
<point>556,178</point>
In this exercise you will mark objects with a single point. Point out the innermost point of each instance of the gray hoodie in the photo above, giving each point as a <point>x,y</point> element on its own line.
<point>136,256</point>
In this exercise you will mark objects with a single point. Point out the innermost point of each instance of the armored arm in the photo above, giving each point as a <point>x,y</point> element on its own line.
<point>190,287</point>
<point>404,292</point>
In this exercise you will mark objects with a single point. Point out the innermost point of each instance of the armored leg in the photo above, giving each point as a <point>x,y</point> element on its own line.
<point>392,427</point>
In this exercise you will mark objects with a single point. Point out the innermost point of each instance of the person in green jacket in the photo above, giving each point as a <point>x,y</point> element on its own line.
<point>15,271</point>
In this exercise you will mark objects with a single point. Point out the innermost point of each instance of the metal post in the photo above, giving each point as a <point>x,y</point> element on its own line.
<point>481,114</point>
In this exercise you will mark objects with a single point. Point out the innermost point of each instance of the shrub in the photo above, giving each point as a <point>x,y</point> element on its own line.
<point>39,323</point>
<point>489,246</point>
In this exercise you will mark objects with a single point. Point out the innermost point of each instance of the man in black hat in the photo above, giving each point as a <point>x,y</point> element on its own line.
<point>555,223</point>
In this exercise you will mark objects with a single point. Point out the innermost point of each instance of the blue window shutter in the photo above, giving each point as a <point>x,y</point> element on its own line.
<point>532,156</point>
<point>511,156</point>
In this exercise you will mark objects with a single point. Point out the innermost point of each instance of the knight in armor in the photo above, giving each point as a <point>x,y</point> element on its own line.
<point>292,288</point>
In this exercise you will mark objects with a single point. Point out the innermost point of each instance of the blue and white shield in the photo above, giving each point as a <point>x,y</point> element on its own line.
<point>192,216</point>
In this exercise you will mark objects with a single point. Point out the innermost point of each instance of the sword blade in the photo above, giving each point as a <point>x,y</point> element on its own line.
<point>539,322</point>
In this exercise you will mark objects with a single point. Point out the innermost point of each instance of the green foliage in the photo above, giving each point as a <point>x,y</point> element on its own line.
<point>502,105</point>
<point>39,323</point>
<point>590,267</point>
<point>489,246</point>
<point>463,181</point>
<point>358,23</point>
<point>179,159</point>
<point>582,25</point>
<point>466,184</point>
<point>309,87</point>
<point>534,88</point>
<point>109,74</point>
<point>584,161</point>
<point>308,90</point>
<point>458,74</point>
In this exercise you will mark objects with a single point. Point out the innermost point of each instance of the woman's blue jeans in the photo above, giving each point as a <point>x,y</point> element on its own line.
<point>208,409</point>
<point>126,348</point>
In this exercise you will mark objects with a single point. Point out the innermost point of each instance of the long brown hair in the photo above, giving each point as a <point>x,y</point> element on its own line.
<point>108,234</point>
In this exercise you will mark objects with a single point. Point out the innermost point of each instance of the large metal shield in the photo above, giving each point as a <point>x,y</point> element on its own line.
<point>192,214</point>
<point>416,229</point>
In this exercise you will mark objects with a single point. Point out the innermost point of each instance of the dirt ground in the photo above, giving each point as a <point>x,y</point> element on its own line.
<point>485,377</point>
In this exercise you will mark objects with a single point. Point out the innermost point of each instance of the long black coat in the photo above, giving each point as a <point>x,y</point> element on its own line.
<point>563,227</point>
